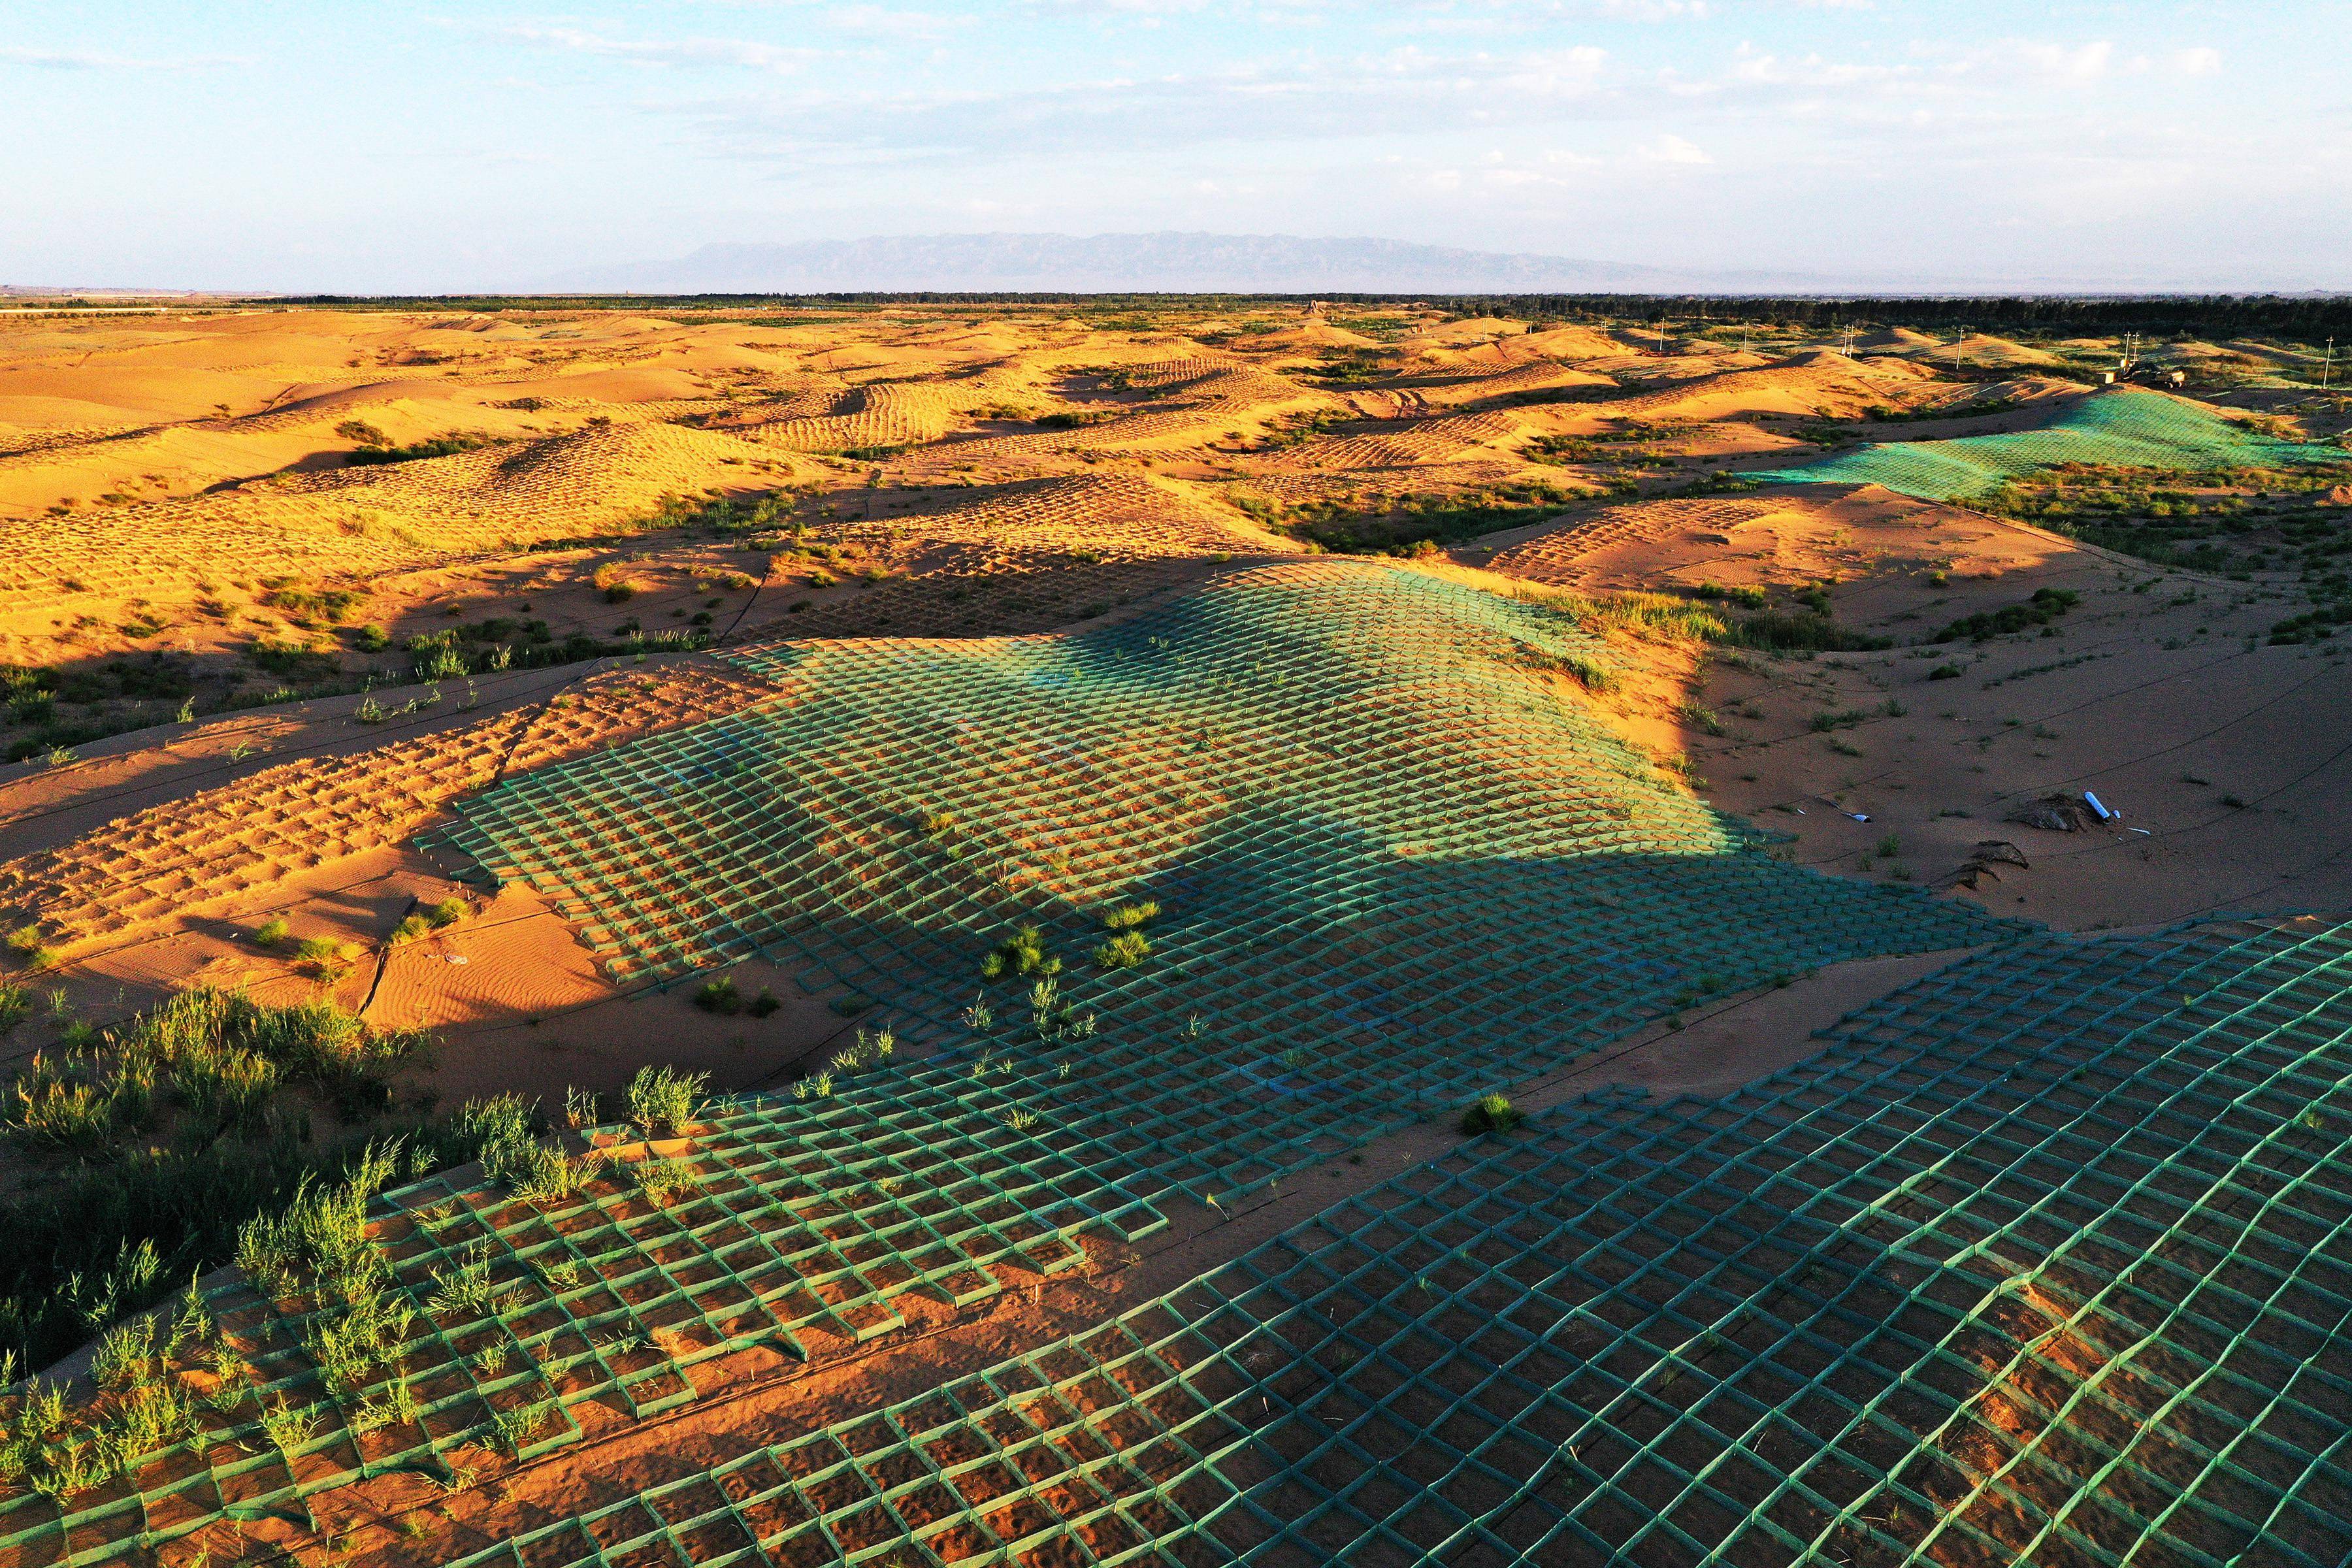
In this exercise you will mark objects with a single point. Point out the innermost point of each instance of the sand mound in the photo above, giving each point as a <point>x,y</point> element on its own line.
<point>1786,540</point>
<point>392,518</point>
<point>205,850</point>
<point>1817,382</point>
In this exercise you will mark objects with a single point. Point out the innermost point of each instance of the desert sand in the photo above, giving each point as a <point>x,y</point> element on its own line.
<point>265,641</point>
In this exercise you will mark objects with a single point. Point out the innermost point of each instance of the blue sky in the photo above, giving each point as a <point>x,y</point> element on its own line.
<point>486,145</point>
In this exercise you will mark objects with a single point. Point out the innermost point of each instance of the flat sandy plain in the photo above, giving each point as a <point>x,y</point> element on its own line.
<point>265,639</point>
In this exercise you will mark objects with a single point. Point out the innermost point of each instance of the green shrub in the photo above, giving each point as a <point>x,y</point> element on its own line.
<point>1020,954</point>
<point>75,1101</point>
<point>293,660</point>
<point>659,1179</point>
<point>228,1086</point>
<point>2046,607</point>
<point>307,605</point>
<point>1747,598</point>
<point>518,1427</point>
<point>1125,951</point>
<point>288,1427</point>
<point>443,663</point>
<point>1491,1113</point>
<point>1588,672</point>
<point>124,1353</point>
<point>377,451</point>
<point>718,996</point>
<point>501,1127</point>
<point>468,1292</point>
<point>1128,917</point>
<point>1804,631</point>
<point>427,918</point>
<point>867,1050</point>
<point>662,1099</point>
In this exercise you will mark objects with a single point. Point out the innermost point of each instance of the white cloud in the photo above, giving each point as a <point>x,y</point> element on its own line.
<point>741,52</point>
<point>1404,91</point>
<point>76,59</point>
<point>1672,149</point>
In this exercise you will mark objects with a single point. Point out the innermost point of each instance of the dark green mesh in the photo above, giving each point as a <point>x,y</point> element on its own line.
<point>2113,429</point>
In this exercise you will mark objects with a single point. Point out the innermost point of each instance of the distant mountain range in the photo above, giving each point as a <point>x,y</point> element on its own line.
<point>1120,263</point>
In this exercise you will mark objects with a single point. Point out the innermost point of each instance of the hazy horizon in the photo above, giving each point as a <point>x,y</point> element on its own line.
<point>2061,145</point>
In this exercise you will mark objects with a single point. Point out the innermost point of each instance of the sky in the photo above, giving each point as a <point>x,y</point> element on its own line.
<point>415,147</point>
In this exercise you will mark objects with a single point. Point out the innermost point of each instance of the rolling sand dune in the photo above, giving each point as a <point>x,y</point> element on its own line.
<point>1213,748</point>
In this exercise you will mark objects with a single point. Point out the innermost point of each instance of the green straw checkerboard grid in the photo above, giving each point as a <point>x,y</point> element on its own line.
<point>806,1218</point>
<point>1327,755</point>
<point>2047,1258</point>
<point>2112,429</point>
<point>1341,1003</point>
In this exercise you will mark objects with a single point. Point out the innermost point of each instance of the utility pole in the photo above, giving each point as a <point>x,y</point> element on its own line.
<point>2326,365</point>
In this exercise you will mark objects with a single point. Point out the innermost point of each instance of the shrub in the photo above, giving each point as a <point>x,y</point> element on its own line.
<point>305,606</point>
<point>71,1102</point>
<point>1125,951</point>
<point>517,1428</point>
<point>662,1099</point>
<point>867,1050</point>
<point>428,918</point>
<point>718,996</point>
<point>468,1292</point>
<point>1128,917</point>
<point>227,1085</point>
<point>1747,598</point>
<point>123,1353</point>
<point>1804,631</point>
<point>294,660</point>
<point>503,1129</point>
<point>661,1178</point>
<point>438,447</point>
<point>26,941</point>
<point>1022,953</point>
<point>288,1427</point>
<point>2046,607</point>
<point>1491,1113</point>
<point>1588,672</point>
<point>443,662</point>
